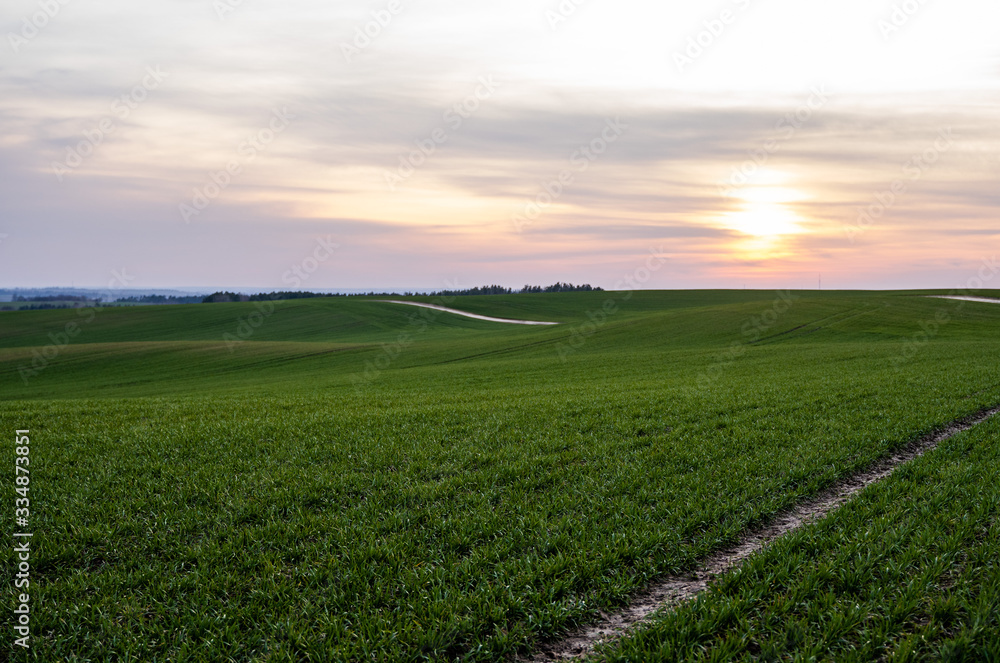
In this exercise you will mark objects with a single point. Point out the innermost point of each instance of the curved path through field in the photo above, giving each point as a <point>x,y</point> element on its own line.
<point>468,315</point>
<point>985,300</point>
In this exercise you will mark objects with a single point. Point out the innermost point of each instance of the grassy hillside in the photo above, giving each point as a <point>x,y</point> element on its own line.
<point>330,345</point>
<point>326,491</point>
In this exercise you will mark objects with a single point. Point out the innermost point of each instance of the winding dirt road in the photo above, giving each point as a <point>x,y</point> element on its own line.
<point>468,315</point>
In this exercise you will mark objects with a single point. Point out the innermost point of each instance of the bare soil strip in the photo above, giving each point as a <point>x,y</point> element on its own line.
<point>468,315</point>
<point>670,592</point>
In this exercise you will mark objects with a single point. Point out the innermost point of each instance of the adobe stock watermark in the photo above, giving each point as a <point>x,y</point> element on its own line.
<point>453,119</point>
<point>121,108</point>
<point>930,328</point>
<point>417,323</point>
<point>32,26</point>
<point>752,331</point>
<point>301,272</point>
<point>247,151</point>
<point>562,13</point>
<point>713,29</point>
<point>295,277</point>
<point>59,340</point>
<point>900,16</point>
<point>579,334</point>
<point>784,130</point>
<point>365,35</point>
<point>248,326</point>
<point>579,162</point>
<point>22,536</point>
<point>224,8</point>
<point>913,170</point>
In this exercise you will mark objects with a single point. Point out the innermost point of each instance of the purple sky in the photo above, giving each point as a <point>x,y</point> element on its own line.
<point>438,143</point>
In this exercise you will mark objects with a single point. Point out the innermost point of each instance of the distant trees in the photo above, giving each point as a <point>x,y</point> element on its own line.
<point>41,307</point>
<point>222,297</point>
<point>561,287</point>
<point>52,298</point>
<point>262,296</point>
<point>46,302</point>
<point>160,299</point>
<point>500,290</point>
<point>480,290</point>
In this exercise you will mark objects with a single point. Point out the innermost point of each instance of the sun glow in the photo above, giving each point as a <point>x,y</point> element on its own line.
<point>765,209</point>
<point>764,220</point>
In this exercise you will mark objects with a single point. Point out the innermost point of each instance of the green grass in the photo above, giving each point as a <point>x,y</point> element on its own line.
<point>489,487</point>
<point>907,571</point>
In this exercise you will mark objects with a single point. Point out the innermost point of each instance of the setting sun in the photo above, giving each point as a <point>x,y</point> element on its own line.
<point>765,211</point>
<point>764,220</point>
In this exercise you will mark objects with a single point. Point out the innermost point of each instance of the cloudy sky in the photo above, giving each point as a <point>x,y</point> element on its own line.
<point>427,143</point>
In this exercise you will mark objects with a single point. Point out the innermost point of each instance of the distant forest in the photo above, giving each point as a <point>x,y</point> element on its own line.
<point>216,297</point>
<point>43,302</point>
<point>52,298</point>
<point>161,299</point>
<point>500,290</point>
<point>21,302</point>
<point>39,307</point>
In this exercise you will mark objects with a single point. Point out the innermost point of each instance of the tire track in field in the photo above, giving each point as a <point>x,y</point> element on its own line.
<point>834,318</point>
<point>513,348</point>
<point>671,592</point>
<point>817,323</point>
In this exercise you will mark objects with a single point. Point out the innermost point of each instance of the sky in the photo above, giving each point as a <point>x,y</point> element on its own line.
<point>391,144</point>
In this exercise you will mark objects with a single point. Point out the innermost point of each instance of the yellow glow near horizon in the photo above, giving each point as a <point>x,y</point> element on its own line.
<point>762,248</point>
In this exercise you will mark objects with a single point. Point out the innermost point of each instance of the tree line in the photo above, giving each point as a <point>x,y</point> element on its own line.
<point>226,296</point>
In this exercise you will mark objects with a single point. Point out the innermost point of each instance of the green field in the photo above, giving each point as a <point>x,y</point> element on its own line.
<point>341,479</point>
<point>909,571</point>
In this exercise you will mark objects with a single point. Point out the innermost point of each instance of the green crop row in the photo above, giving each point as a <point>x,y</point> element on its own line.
<point>909,570</point>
